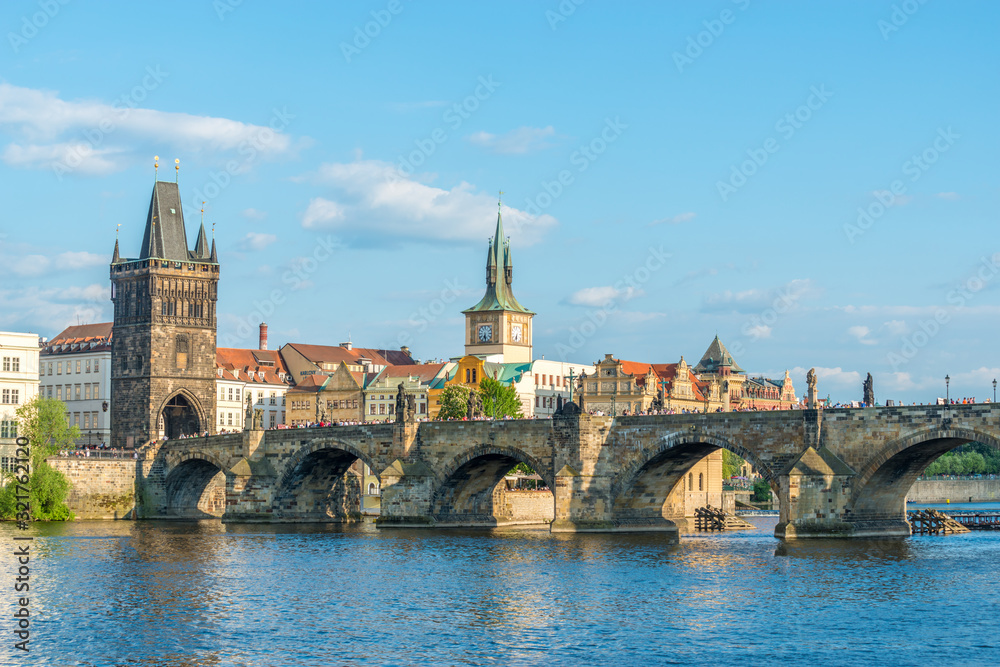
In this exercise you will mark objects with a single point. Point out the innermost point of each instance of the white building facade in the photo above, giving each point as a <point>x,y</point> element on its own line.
<point>547,385</point>
<point>18,385</point>
<point>75,368</point>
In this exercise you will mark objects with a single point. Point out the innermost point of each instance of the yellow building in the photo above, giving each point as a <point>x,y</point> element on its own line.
<point>319,397</point>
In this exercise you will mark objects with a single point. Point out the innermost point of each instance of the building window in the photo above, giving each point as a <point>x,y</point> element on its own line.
<point>88,365</point>
<point>6,364</point>
<point>76,392</point>
<point>10,396</point>
<point>86,420</point>
<point>230,419</point>
<point>371,409</point>
<point>8,429</point>
<point>690,481</point>
<point>50,367</point>
<point>537,401</point>
<point>273,398</point>
<point>381,408</point>
<point>423,408</point>
<point>49,391</point>
<point>97,366</point>
<point>59,392</point>
<point>59,368</point>
<point>230,393</point>
<point>222,419</point>
<point>222,393</point>
<point>701,482</point>
<point>237,393</point>
<point>86,392</point>
<point>78,366</point>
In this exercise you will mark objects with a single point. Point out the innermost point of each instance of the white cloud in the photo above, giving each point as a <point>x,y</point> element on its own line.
<point>755,300</point>
<point>48,130</point>
<point>596,297</point>
<point>380,205</point>
<point>253,214</point>
<point>861,334</point>
<point>81,260</point>
<point>895,327</point>
<point>53,309</point>
<point>322,213</point>
<point>758,331</point>
<point>675,220</point>
<point>837,379</point>
<point>256,241</point>
<point>516,142</point>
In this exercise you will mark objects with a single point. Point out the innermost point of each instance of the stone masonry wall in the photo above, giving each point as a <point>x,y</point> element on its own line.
<point>523,507</point>
<point>101,488</point>
<point>955,490</point>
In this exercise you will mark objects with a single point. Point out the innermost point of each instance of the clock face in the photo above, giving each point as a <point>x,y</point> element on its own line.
<point>515,333</point>
<point>485,332</point>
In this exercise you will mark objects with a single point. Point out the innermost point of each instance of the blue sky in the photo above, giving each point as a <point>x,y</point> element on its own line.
<point>815,182</point>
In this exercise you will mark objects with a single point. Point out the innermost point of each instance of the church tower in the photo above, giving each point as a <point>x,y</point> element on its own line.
<point>498,327</point>
<point>163,343</point>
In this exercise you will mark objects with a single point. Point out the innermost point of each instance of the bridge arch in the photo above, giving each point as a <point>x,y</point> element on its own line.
<point>195,486</point>
<point>316,484</point>
<point>466,488</point>
<point>881,486</point>
<point>642,489</point>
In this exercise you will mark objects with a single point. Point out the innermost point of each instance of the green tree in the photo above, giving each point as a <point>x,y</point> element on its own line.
<point>761,491</point>
<point>43,422</point>
<point>731,464</point>
<point>499,400</point>
<point>454,402</point>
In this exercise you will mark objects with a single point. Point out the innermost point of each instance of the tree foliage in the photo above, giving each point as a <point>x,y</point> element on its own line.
<point>454,402</point>
<point>43,422</point>
<point>761,491</point>
<point>731,464</point>
<point>971,459</point>
<point>500,401</point>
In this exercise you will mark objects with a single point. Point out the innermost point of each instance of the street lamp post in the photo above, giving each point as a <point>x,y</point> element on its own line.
<point>570,384</point>
<point>663,403</point>
<point>614,397</point>
<point>947,389</point>
<point>994,390</point>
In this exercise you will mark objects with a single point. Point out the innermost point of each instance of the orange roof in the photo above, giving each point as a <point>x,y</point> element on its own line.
<point>663,372</point>
<point>81,338</point>
<point>337,353</point>
<point>268,362</point>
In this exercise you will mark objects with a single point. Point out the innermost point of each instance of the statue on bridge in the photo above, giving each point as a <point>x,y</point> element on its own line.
<point>869,389</point>
<point>406,406</point>
<point>258,419</point>
<point>811,383</point>
<point>474,407</point>
<point>248,416</point>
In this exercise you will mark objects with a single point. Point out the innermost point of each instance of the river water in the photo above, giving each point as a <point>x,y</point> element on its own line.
<point>204,593</point>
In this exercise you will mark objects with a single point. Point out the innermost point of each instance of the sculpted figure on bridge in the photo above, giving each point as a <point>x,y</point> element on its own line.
<point>811,382</point>
<point>248,417</point>
<point>869,389</point>
<point>401,404</point>
<point>474,408</point>
<point>258,419</point>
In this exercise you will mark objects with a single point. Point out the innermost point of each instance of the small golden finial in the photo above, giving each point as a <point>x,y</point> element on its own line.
<point>500,200</point>
<point>177,168</point>
<point>156,165</point>
<point>203,213</point>
<point>213,230</point>
<point>118,230</point>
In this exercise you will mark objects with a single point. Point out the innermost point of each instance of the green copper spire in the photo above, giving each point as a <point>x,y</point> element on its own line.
<point>499,295</point>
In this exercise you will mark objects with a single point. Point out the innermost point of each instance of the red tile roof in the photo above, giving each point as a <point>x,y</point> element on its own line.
<point>663,372</point>
<point>246,360</point>
<point>81,338</point>
<point>325,354</point>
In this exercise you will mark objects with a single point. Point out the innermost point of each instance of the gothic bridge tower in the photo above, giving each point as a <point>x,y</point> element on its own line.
<point>163,347</point>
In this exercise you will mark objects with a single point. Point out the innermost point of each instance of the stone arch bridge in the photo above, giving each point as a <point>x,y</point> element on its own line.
<point>837,472</point>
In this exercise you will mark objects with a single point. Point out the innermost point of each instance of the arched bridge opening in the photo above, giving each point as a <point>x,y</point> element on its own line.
<point>195,489</point>
<point>664,485</point>
<point>476,491</point>
<point>323,483</point>
<point>880,489</point>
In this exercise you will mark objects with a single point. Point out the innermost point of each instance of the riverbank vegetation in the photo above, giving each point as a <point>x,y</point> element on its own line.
<point>971,459</point>
<point>43,422</point>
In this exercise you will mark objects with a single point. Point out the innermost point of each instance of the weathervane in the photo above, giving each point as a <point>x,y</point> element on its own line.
<point>177,168</point>
<point>156,165</point>
<point>118,230</point>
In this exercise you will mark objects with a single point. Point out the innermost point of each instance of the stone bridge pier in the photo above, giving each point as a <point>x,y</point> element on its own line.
<point>837,473</point>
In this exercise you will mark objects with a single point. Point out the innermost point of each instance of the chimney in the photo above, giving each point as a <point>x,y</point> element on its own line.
<point>347,345</point>
<point>263,336</point>
<point>405,350</point>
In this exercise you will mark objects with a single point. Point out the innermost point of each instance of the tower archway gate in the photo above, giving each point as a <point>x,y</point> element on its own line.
<point>837,473</point>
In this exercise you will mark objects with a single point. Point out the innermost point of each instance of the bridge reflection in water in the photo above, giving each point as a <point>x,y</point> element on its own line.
<point>837,473</point>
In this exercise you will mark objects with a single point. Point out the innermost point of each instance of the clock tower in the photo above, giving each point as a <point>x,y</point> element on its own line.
<point>498,327</point>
